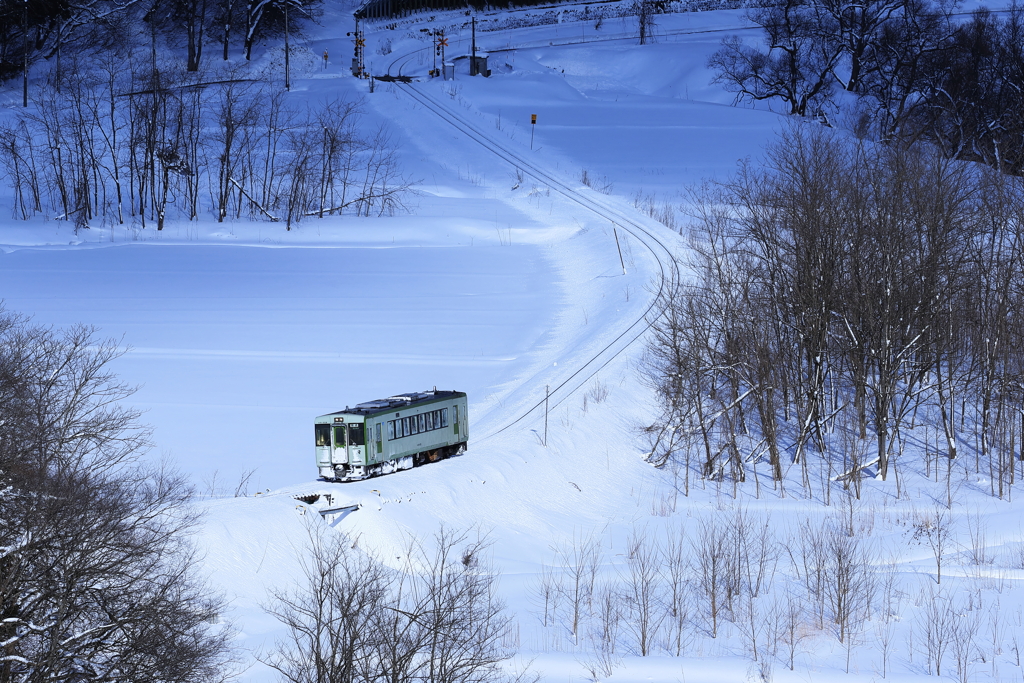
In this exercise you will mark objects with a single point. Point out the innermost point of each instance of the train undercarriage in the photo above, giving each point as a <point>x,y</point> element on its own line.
<point>345,473</point>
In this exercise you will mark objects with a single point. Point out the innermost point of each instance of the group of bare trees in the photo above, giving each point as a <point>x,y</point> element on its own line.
<point>49,29</point>
<point>665,590</point>
<point>140,144</point>
<point>918,71</point>
<point>98,581</point>
<point>353,618</point>
<point>775,587</point>
<point>841,297</point>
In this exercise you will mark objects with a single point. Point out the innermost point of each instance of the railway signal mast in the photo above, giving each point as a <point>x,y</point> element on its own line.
<point>442,43</point>
<point>358,64</point>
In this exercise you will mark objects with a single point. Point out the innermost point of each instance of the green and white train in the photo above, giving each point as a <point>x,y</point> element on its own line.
<point>395,433</point>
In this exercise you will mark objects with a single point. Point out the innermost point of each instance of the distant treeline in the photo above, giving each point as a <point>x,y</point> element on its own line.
<point>915,69</point>
<point>48,29</point>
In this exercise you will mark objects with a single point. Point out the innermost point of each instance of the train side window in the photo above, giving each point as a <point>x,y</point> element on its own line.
<point>430,420</point>
<point>356,435</point>
<point>405,427</point>
<point>339,436</point>
<point>420,420</point>
<point>444,417</point>
<point>323,435</point>
<point>391,430</point>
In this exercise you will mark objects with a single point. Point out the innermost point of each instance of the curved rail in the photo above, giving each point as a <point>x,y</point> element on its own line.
<point>662,253</point>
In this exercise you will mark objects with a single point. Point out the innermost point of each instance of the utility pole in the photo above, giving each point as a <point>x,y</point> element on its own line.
<point>621,262</point>
<point>547,393</point>
<point>472,63</point>
<point>437,51</point>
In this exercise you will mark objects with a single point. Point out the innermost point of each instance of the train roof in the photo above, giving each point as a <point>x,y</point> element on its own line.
<point>399,401</point>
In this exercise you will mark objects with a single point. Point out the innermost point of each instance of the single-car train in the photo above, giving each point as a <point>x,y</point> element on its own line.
<point>390,434</point>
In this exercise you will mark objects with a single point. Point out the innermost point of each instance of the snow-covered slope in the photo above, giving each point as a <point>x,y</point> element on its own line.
<point>503,280</point>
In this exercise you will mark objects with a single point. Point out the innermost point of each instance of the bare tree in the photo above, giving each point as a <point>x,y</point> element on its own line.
<point>607,613</point>
<point>353,619</point>
<point>848,582</point>
<point>580,560</point>
<point>642,591</point>
<point>936,530</point>
<point>938,624</point>
<point>797,66</point>
<point>710,556</point>
<point>97,575</point>
<point>793,629</point>
<point>964,625</point>
<point>547,592</point>
<point>332,616</point>
<point>644,11</point>
<point>676,571</point>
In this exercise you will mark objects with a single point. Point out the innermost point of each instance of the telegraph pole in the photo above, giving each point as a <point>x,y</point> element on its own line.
<point>547,393</point>
<point>621,262</point>
<point>437,51</point>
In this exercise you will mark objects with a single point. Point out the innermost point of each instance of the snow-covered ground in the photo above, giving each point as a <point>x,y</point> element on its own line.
<point>498,283</point>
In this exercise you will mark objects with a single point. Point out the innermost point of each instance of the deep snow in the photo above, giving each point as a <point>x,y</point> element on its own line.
<point>241,333</point>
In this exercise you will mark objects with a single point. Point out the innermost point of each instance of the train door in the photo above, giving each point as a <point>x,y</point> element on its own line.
<point>339,455</point>
<point>357,444</point>
<point>455,421</point>
<point>323,446</point>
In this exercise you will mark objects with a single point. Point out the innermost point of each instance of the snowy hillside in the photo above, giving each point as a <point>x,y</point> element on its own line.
<point>503,279</point>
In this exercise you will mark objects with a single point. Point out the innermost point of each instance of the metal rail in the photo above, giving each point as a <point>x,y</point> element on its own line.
<point>663,255</point>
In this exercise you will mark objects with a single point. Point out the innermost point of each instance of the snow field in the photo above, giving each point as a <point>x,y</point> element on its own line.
<point>242,333</point>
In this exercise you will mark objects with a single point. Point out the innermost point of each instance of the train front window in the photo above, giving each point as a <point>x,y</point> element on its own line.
<point>323,435</point>
<point>339,436</point>
<point>356,436</point>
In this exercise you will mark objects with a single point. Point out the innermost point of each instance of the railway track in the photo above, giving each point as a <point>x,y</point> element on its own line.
<point>586,199</point>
